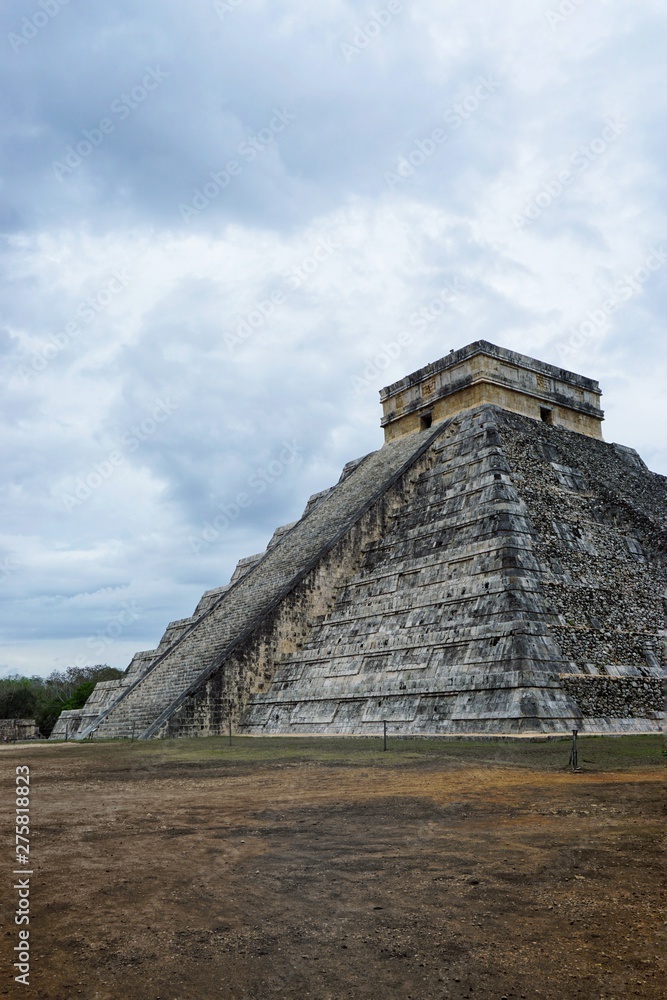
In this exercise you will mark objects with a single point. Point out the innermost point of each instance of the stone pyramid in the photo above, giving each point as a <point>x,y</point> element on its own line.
<point>495,568</point>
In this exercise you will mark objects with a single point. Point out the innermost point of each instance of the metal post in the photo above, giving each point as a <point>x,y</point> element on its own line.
<point>575,764</point>
<point>66,731</point>
<point>384,726</point>
<point>230,732</point>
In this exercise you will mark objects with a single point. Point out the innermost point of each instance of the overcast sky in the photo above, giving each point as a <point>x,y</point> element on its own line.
<point>225,226</point>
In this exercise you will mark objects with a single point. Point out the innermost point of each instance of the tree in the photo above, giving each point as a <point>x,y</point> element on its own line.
<point>80,695</point>
<point>18,698</point>
<point>44,698</point>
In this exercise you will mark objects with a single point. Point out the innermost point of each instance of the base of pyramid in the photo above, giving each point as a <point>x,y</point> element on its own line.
<point>475,728</point>
<point>513,703</point>
<point>533,735</point>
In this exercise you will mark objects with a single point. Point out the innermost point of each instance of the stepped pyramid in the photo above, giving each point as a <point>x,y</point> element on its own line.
<point>494,568</point>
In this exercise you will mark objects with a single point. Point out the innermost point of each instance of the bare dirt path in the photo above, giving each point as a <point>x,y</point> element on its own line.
<point>327,869</point>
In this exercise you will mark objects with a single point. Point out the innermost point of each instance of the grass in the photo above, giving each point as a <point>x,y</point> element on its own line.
<point>596,753</point>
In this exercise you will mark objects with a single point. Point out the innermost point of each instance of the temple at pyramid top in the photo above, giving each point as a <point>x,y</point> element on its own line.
<point>483,373</point>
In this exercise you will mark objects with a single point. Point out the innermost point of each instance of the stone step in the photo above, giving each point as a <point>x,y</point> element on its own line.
<point>214,634</point>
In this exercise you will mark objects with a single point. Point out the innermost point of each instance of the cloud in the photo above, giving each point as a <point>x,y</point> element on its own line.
<point>158,362</point>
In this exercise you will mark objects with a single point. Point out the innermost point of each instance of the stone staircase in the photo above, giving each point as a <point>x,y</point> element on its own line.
<point>203,643</point>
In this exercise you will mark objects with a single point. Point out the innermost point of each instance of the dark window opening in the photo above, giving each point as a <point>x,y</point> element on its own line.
<point>425,421</point>
<point>547,415</point>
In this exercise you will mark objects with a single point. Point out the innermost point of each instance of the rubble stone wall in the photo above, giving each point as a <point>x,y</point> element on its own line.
<point>600,522</point>
<point>616,697</point>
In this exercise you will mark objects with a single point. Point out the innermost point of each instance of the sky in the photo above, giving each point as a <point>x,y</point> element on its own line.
<point>225,226</point>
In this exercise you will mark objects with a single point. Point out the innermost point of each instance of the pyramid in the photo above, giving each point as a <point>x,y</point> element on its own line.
<point>495,567</point>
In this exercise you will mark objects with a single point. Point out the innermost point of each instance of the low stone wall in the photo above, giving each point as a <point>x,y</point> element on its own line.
<point>617,697</point>
<point>18,729</point>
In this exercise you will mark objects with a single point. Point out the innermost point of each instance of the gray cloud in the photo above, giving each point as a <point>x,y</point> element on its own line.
<point>167,334</point>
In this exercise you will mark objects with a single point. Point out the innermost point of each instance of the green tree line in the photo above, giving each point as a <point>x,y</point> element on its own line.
<point>44,698</point>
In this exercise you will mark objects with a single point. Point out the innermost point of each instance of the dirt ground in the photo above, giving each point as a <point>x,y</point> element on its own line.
<point>329,869</point>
